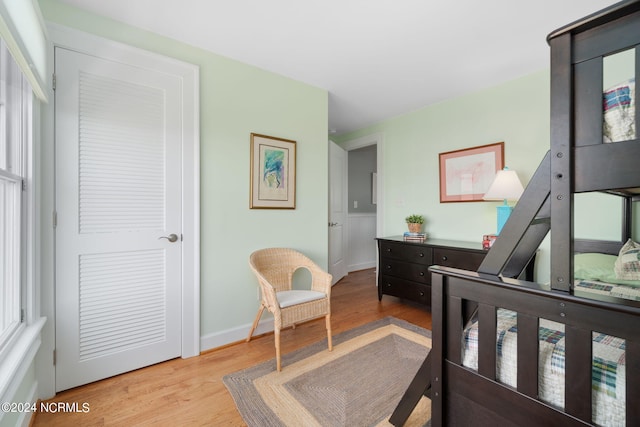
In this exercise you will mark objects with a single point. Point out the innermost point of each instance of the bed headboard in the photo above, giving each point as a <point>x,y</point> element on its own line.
<point>599,246</point>
<point>611,247</point>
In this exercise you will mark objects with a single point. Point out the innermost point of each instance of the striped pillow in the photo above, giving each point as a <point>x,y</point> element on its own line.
<point>627,266</point>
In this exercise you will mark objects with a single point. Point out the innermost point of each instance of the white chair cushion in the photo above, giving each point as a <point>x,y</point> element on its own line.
<point>289,298</point>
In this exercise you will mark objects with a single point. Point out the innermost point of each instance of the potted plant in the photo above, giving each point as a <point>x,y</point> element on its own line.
<point>414,222</point>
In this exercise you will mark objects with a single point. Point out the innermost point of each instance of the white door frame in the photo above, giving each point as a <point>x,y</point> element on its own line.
<point>88,44</point>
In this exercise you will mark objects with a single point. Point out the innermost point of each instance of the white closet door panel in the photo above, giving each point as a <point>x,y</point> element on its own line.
<point>122,301</point>
<point>121,163</point>
<point>118,192</point>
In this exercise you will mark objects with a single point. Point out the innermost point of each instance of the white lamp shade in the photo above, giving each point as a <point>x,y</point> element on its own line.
<point>505,186</point>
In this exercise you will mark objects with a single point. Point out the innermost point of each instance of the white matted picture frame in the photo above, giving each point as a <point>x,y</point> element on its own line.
<point>273,173</point>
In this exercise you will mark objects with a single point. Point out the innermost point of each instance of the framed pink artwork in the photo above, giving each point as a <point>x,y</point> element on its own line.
<point>465,175</point>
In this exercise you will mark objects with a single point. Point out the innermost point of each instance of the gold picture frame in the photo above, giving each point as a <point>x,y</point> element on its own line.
<point>273,173</point>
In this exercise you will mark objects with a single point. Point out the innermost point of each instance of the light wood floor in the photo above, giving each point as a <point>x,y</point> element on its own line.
<point>190,392</point>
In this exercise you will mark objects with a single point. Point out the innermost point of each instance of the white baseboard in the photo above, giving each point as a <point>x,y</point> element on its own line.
<point>229,336</point>
<point>361,266</point>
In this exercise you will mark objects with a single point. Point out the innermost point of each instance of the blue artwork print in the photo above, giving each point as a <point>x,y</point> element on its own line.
<point>273,175</point>
<point>273,171</point>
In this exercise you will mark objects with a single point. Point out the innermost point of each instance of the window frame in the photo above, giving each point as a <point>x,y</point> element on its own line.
<point>17,170</point>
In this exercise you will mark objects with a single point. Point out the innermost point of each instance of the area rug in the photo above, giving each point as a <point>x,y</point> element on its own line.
<point>359,383</point>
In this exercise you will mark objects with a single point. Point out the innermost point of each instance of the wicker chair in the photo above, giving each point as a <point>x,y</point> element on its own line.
<point>274,268</point>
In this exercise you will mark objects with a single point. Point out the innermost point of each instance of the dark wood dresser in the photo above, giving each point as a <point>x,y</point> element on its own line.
<point>404,266</point>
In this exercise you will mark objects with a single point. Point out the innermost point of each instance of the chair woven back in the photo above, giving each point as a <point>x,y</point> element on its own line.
<point>277,265</point>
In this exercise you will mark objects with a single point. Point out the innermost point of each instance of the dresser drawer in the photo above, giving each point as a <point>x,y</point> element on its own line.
<point>403,267</point>
<point>406,252</point>
<point>406,270</point>
<point>405,289</point>
<point>456,258</point>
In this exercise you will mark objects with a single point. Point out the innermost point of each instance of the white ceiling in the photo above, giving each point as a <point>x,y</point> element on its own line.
<point>376,58</point>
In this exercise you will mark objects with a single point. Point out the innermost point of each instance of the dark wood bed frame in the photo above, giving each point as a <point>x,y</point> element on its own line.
<point>577,162</point>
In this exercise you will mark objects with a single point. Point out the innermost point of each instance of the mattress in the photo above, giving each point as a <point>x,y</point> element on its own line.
<point>607,289</point>
<point>608,368</point>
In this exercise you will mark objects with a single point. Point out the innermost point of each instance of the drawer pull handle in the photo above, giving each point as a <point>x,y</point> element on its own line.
<point>421,293</point>
<point>421,255</point>
<point>388,249</point>
<point>422,273</point>
<point>388,285</point>
<point>444,258</point>
<point>388,267</point>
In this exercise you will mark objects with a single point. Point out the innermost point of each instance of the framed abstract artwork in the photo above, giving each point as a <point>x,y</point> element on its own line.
<point>273,173</point>
<point>465,175</point>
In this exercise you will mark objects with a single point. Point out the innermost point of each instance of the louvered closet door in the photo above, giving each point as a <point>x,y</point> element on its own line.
<point>118,187</point>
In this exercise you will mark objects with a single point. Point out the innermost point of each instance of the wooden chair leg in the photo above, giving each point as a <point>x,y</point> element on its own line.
<point>328,322</point>
<point>277,338</point>
<point>255,322</point>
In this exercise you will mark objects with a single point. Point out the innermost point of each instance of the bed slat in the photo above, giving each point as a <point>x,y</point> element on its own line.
<point>578,361</point>
<point>508,408</point>
<point>438,348</point>
<point>632,356</point>
<point>454,330</point>
<point>621,157</point>
<point>487,341</point>
<point>527,355</point>
<point>637,80</point>
<point>588,102</point>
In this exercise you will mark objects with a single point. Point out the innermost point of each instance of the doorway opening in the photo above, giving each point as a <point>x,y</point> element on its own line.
<point>365,220</point>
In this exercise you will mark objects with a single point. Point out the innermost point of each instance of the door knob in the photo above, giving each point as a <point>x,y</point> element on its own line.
<point>171,237</point>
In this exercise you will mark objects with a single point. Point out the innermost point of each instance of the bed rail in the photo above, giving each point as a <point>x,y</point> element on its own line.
<point>462,396</point>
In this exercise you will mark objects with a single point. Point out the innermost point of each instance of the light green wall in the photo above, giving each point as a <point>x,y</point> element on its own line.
<point>516,112</point>
<point>235,100</point>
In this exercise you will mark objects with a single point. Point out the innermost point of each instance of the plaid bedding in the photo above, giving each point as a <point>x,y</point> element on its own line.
<point>608,289</point>
<point>619,112</point>
<point>608,368</point>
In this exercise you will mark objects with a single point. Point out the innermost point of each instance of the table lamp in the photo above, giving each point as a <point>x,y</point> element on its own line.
<point>505,186</point>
